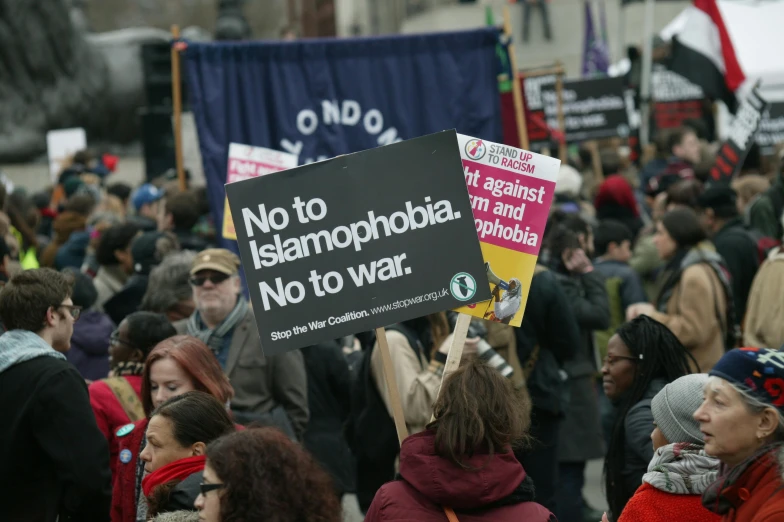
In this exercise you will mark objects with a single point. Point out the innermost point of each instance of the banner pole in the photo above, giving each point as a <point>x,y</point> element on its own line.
<point>542,71</point>
<point>517,95</point>
<point>394,393</point>
<point>455,350</point>
<point>596,161</point>
<point>177,106</point>
<point>561,119</point>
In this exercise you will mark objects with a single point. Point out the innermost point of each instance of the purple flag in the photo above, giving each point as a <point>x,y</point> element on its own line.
<point>596,58</point>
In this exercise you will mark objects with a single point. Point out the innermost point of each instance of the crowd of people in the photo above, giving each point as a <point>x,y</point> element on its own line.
<point>133,385</point>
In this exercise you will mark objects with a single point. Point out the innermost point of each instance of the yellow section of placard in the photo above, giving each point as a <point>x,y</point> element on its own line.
<point>228,224</point>
<point>509,274</point>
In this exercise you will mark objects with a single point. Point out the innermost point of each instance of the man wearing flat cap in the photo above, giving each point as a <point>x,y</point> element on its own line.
<point>264,387</point>
<point>734,242</point>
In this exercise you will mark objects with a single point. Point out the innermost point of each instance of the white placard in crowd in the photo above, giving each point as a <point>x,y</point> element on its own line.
<point>61,144</point>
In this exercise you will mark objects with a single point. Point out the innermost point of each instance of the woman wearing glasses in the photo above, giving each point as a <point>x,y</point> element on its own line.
<point>642,358</point>
<point>176,366</point>
<point>116,401</point>
<point>260,474</point>
<point>174,457</point>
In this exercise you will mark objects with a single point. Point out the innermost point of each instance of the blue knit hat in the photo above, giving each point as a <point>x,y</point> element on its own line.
<point>760,371</point>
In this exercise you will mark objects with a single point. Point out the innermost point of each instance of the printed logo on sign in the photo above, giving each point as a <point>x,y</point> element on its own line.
<point>462,286</point>
<point>475,149</point>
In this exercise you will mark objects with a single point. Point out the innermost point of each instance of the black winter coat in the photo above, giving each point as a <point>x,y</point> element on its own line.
<point>587,297</point>
<point>329,401</point>
<point>550,323</point>
<point>581,436</point>
<point>739,250</point>
<point>55,461</point>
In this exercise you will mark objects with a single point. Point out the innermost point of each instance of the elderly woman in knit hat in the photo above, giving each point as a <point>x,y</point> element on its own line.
<point>680,470</point>
<point>742,423</point>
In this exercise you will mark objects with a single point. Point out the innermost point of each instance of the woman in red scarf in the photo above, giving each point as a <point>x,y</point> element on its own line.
<point>177,365</point>
<point>177,438</point>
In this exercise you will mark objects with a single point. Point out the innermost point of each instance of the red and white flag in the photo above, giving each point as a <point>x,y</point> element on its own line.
<point>703,52</point>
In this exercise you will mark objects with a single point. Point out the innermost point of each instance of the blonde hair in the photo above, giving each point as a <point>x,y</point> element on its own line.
<point>747,187</point>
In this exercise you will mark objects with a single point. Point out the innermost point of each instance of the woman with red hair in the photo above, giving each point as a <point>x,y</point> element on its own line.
<point>176,366</point>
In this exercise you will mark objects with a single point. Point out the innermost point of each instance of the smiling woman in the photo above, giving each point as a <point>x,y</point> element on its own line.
<point>642,357</point>
<point>742,422</point>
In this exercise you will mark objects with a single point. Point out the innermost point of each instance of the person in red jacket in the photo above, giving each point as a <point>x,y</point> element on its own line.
<point>680,471</point>
<point>742,423</point>
<point>117,401</point>
<point>176,366</point>
<point>464,461</point>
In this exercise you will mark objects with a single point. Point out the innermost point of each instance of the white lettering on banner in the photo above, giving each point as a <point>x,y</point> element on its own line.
<point>356,234</point>
<point>746,122</point>
<point>668,86</point>
<point>331,112</point>
<point>346,113</point>
<point>281,295</point>
<point>307,121</point>
<point>351,112</point>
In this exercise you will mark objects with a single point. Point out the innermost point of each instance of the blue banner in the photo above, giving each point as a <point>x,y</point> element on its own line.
<point>322,98</point>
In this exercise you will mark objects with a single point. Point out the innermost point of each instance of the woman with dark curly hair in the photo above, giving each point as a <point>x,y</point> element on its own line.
<point>260,475</point>
<point>464,459</point>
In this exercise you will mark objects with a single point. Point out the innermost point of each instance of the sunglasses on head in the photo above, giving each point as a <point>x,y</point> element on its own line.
<point>215,279</point>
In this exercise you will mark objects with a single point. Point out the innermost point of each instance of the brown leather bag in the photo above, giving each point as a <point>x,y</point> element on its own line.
<point>125,393</point>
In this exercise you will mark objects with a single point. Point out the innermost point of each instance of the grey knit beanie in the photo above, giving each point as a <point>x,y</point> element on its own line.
<point>674,406</point>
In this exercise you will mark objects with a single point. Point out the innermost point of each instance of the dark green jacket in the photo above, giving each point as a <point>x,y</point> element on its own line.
<point>763,214</point>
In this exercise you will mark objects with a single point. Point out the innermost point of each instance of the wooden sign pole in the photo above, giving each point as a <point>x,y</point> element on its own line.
<point>517,95</point>
<point>561,119</point>
<point>394,393</point>
<point>455,350</point>
<point>452,362</point>
<point>596,162</point>
<point>177,107</point>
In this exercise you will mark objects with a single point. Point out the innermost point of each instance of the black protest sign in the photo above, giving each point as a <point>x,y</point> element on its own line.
<point>358,242</point>
<point>742,134</point>
<point>771,131</point>
<point>675,99</point>
<point>593,108</point>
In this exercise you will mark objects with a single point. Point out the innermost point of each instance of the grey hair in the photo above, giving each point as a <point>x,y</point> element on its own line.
<point>169,283</point>
<point>104,217</point>
<point>753,405</point>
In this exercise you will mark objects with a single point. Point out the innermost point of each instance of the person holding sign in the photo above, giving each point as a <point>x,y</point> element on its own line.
<point>264,387</point>
<point>464,459</point>
<point>371,434</point>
